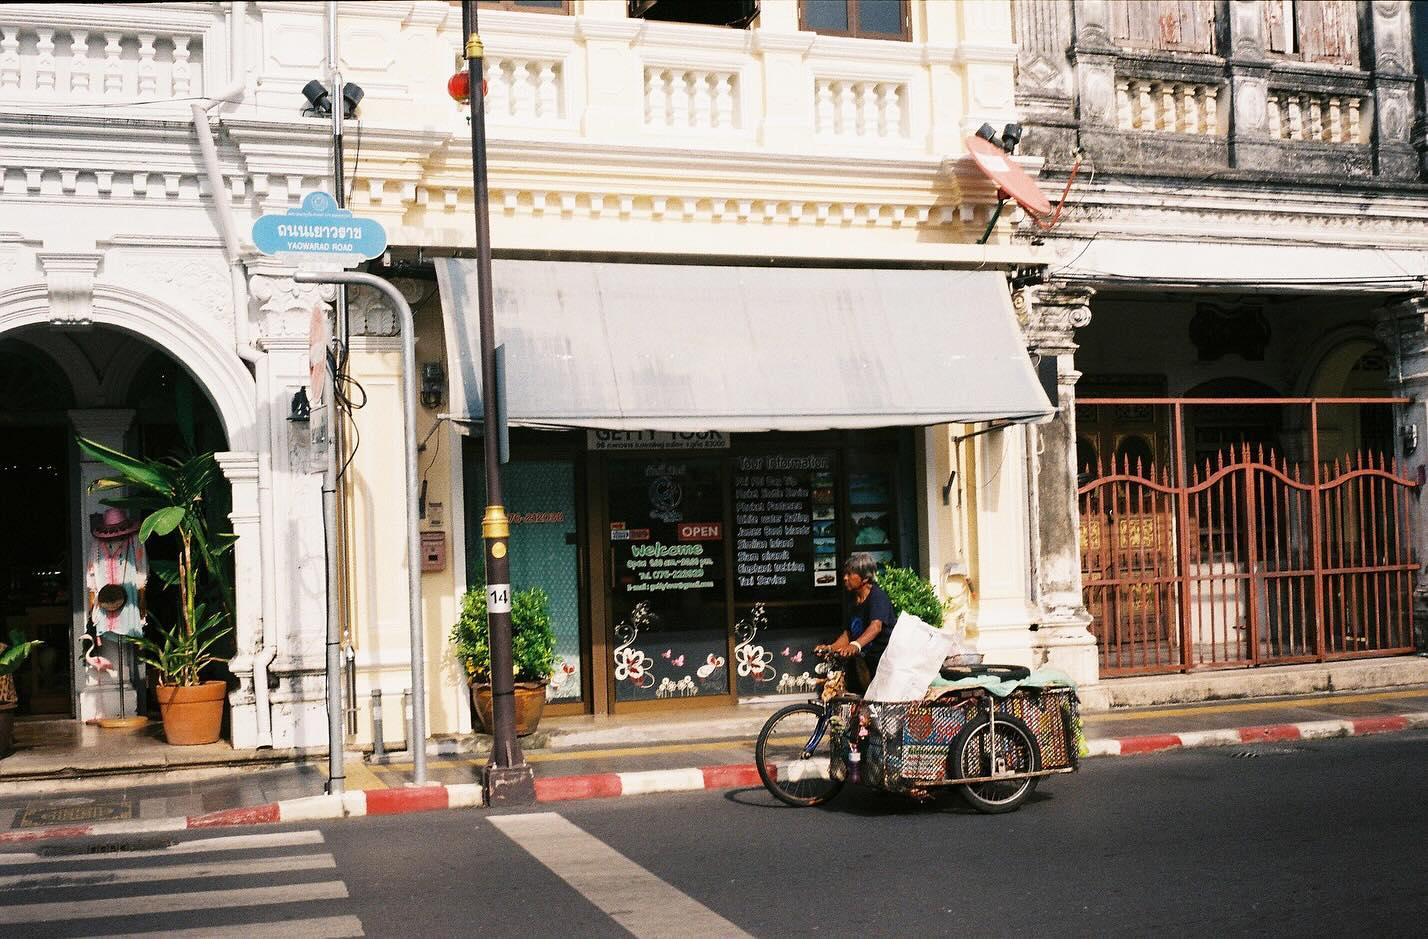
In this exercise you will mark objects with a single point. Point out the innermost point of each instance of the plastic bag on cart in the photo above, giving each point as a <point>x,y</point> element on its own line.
<point>911,661</point>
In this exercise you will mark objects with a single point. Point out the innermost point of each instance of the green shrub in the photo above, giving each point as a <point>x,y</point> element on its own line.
<point>911,593</point>
<point>532,635</point>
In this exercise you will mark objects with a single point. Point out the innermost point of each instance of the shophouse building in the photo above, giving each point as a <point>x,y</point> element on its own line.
<point>1243,260</point>
<point>748,320</point>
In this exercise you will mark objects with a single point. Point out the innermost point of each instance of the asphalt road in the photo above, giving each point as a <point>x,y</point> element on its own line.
<point>1313,838</point>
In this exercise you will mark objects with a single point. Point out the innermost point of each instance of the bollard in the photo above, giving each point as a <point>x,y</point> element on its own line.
<point>379,746</point>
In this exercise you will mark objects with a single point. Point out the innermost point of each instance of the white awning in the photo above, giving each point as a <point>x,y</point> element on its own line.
<point>739,349</point>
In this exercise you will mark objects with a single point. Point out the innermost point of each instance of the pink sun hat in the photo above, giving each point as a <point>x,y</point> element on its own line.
<point>112,525</point>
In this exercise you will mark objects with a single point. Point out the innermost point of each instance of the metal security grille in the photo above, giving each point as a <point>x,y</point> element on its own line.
<point>1245,556</point>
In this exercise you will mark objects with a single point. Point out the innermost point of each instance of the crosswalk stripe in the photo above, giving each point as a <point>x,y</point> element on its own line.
<point>325,927</point>
<point>53,911</point>
<point>279,839</point>
<point>623,890</point>
<point>219,867</point>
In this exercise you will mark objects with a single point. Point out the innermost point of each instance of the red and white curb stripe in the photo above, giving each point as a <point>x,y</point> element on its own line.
<point>607,785</point>
<point>1268,733</point>
<point>308,809</point>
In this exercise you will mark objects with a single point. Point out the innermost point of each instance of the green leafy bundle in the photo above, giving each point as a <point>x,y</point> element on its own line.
<point>16,652</point>
<point>911,593</point>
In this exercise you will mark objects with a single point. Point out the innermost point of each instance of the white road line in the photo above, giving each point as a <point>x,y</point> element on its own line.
<point>280,839</point>
<point>326,927</point>
<point>218,867</point>
<point>59,910</point>
<point>624,891</point>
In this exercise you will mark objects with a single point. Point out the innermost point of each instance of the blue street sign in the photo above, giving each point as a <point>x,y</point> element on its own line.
<point>319,230</point>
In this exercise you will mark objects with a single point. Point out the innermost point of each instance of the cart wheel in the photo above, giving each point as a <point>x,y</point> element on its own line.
<point>793,777</point>
<point>973,754</point>
<point>1003,672</point>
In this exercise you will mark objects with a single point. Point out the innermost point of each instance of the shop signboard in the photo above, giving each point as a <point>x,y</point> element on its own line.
<point>657,440</point>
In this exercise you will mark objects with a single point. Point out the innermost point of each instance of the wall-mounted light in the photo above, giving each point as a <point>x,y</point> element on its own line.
<point>300,410</point>
<point>1409,435</point>
<point>433,385</point>
<point>319,99</point>
<point>1007,139</point>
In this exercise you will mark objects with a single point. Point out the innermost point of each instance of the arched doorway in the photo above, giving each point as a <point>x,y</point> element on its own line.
<point>113,387</point>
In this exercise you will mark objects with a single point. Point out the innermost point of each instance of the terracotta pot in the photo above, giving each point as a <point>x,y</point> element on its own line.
<point>7,731</point>
<point>193,714</point>
<point>530,704</point>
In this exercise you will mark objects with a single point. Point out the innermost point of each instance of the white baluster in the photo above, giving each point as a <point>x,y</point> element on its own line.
<point>1336,121</point>
<point>79,61</point>
<point>682,92</point>
<point>847,108</point>
<point>654,109</point>
<point>523,93</point>
<point>9,57</point>
<point>892,108</point>
<point>724,99</point>
<point>824,109</point>
<point>1169,120</point>
<point>183,69</point>
<point>868,110</point>
<point>498,87</point>
<point>148,69</point>
<point>1123,105</point>
<point>45,61</point>
<point>1354,130</point>
<point>1296,118</point>
<point>703,99</point>
<point>113,67</point>
<point>1212,115</point>
<point>1145,114</point>
<point>1274,115</point>
<point>1189,119</point>
<point>547,91</point>
<point>1316,119</point>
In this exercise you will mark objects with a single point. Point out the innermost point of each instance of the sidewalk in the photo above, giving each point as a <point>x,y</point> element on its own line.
<point>588,757</point>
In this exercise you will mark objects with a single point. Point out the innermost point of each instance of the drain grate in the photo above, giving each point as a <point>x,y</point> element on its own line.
<point>1256,752</point>
<point>73,811</point>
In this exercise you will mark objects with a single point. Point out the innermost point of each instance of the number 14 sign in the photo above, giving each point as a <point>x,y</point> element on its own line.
<point>498,598</point>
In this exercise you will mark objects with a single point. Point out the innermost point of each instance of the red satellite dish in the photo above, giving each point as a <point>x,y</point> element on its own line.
<point>1012,182</point>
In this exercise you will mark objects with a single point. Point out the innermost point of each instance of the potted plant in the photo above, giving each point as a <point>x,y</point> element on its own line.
<point>170,495</point>
<point>532,653</point>
<point>12,655</point>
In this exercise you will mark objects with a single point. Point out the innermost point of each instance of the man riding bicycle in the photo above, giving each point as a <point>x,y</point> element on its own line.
<point>870,622</point>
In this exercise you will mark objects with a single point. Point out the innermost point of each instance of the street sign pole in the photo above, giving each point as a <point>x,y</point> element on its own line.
<point>417,743</point>
<point>508,778</point>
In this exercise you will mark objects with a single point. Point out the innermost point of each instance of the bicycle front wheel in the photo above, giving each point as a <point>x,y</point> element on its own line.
<point>794,755</point>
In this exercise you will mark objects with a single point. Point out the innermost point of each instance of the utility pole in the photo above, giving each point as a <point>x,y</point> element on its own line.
<point>508,778</point>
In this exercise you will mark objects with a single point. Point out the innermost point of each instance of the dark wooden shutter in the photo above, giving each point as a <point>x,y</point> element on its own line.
<point>1274,34</point>
<point>1164,25</point>
<point>1328,31</point>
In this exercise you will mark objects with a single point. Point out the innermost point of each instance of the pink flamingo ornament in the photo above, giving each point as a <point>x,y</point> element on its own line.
<point>97,662</point>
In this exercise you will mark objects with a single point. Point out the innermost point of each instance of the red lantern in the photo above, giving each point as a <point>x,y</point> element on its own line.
<point>459,87</point>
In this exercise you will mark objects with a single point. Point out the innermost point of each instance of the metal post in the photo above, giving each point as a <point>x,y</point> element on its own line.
<point>404,313</point>
<point>508,778</point>
<point>379,745</point>
<point>336,738</point>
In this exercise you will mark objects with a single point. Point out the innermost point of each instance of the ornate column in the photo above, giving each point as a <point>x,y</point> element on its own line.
<point>1392,65</point>
<point>98,692</point>
<point>299,584</point>
<point>1403,329</point>
<point>1251,146</point>
<point>241,470</point>
<point>1063,638</point>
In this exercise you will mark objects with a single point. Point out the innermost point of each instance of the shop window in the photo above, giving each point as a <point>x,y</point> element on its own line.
<point>865,19</point>
<point>527,6</point>
<point>735,13</point>
<point>1164,25</point>
<point>1316,31</point>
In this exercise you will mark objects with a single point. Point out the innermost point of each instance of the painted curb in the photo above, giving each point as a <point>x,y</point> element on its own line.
<point>609,785</point>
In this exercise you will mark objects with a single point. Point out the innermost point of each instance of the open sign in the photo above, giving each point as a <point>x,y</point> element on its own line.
<point>699,531</point>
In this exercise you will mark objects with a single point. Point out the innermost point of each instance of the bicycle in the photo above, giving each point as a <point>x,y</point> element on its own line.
<point>994,760</point>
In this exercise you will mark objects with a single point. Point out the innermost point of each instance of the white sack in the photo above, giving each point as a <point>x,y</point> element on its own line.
<point>911,661</point>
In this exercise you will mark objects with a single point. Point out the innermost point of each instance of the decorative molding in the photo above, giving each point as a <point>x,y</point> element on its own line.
<point>69,277</point>
<point>285,307</point>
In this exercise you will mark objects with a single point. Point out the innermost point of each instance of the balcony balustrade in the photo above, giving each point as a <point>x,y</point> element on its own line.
<point>76,65</point>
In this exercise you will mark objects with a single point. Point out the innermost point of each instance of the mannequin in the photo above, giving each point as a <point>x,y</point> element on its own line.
<point>116,578</point>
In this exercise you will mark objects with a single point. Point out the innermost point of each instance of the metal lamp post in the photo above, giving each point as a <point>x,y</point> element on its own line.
<point>508,778</point>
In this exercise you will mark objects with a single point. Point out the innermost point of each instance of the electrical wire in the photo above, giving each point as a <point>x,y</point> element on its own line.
<point>356,162</point>
<point>343,399</point>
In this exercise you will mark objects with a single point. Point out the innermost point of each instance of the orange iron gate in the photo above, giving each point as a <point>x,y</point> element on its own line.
<point>1246,557</point>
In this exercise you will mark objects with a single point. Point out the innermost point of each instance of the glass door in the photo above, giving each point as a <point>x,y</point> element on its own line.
<point>668,585</point>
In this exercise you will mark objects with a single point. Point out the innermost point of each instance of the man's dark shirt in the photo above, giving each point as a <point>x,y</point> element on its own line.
<point>876,607</point>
